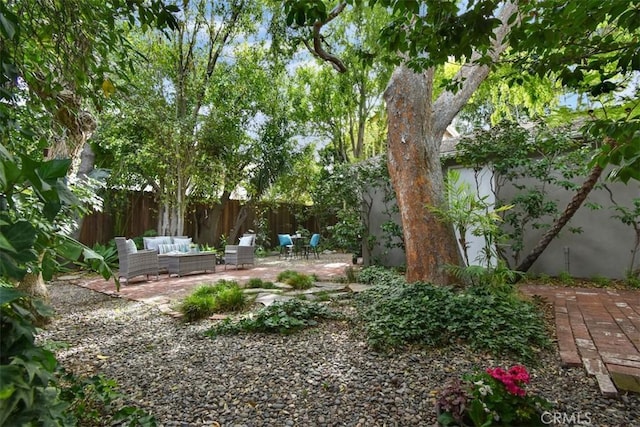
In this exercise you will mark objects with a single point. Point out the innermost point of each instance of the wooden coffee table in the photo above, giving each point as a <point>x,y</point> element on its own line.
<point>191,262</point>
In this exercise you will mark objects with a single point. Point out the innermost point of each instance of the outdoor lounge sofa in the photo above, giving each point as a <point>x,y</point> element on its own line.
<point>163,245</point>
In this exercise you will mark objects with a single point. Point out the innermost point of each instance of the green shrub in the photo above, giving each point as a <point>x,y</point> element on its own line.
<point>280,317</point>
<point>257,283</point>
<point>195,307</point>
<point>28,395</point>
<point>229,298</point>
<point>498,279</point>
<point>380,275</point>
<point>566,278</point>
<point>206,300</point>
<point>632,279</point>
<point>34,390</point>
<point>109,254</point>
<point>95,401</point>
<point>399,315</point>
<point>295,280</point>
<point>601,281</point>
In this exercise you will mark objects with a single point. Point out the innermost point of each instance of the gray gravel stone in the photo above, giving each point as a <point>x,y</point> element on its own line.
<point>319,377</point>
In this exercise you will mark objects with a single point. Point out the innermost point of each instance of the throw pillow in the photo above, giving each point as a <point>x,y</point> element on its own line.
<point>131,246</point>
<point>172,248</point>
<point>182,241</point>
<point>154,242</point>
<point>246,241</point>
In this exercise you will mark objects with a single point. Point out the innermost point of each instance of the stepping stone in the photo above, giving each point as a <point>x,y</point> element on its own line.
<point>268,299</point>
<point>332,286</point>
<point>625,377</point>
<point>358,287</point>
<point>259,291</point>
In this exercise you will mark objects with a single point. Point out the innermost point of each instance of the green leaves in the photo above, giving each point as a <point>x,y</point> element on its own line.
<point>8,23</point>
<point>305,12</point>
<point>397,315</point>
<point>280,317</point>
<point>17,240</point>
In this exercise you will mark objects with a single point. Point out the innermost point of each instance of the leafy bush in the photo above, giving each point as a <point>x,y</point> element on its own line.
<point>280,317</point>
<point>398,315</point>
<point>28,395</point>
<point>224,296</point>
<point>109,254</point>
<point>380,275</point>
<point>34,390</point>
<point>94,402</point>
<point>498,279</point>
<point>257,283</point>
<point>295,280</point>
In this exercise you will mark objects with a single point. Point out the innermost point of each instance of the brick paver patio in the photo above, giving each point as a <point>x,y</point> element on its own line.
<point>599,329</point>
<point>169,289</point>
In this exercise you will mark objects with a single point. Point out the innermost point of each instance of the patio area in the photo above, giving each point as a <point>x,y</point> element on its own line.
<point>169,289</point>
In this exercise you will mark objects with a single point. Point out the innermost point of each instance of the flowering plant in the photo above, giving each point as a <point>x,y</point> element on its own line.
<point>494,397</point>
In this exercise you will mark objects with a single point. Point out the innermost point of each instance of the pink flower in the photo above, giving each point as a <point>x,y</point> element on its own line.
<point>512,379</point>
<point>519,373</point>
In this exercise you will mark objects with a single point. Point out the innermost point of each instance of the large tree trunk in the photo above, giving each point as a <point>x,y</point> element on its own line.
<point>77,127</point>
<point>416,174</point>
<point>416,125</point>
<point>86,163</point>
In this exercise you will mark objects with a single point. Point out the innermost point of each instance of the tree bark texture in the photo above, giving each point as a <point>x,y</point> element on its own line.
<point>416,174</point>
<point>416,125</point>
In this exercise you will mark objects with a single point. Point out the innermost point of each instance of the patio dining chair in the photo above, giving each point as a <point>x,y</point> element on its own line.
<point>286,245</point>
<point>313,245</point>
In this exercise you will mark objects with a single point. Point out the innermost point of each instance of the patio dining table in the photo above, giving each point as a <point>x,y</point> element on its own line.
<point>299,245</point>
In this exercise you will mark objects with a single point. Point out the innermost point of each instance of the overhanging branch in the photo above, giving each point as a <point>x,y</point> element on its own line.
<point>318,40</point>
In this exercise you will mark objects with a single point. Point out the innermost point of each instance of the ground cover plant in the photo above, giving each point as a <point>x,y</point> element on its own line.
<point>299,281</point>
<point>94,401</point>
<point>257,283</point>
<point>282,317</point>
<point>396,314</point>
<point>35,390</point>
<point>224,296</point>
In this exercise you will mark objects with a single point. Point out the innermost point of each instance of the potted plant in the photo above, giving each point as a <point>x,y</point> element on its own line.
<point>494,397</point>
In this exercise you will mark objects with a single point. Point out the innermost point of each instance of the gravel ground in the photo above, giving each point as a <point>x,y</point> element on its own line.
<point>324,376</point>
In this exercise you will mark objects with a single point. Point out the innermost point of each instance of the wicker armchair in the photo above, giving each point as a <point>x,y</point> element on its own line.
<point>135,262</point>
<point>240,254</point>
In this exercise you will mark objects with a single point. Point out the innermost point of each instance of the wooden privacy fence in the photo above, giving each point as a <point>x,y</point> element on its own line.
<point>141,215</point>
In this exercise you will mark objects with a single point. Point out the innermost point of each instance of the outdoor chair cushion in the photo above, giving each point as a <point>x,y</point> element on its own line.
<point>246,241</point>
<point>182,241</point>
<point>131,246</point>
<point>154,242</point>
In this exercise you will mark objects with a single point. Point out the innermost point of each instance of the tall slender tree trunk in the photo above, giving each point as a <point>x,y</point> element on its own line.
<point>563,219</point>
<point>240,220</point>
<point>416,174</point>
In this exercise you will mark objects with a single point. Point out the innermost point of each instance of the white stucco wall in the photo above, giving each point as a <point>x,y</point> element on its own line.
<point>604,248</point>
<point>481,185</point>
